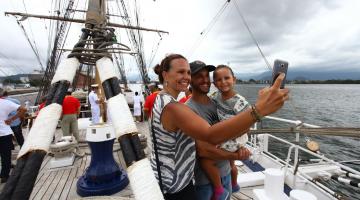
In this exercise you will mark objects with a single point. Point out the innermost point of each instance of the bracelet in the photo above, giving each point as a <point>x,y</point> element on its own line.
<point>255,114</point>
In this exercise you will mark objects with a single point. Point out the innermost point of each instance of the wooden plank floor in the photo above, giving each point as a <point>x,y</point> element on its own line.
<point>60,183</point>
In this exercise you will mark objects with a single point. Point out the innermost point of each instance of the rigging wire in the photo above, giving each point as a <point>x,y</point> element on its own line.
<point>35,48</point>
<point>32,47</point>
<point>154,52</point>
<point>204,33</point>
<point>252,36</point>
<point>12,63</point>
<point>119,59</point>
<point>51,30</point>
<point>66,34</point>
<point>297,114</point>
<point>6,74</point>
<point>135,38</point>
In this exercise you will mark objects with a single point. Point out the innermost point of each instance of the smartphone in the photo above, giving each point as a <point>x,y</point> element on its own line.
<point>280,66</point>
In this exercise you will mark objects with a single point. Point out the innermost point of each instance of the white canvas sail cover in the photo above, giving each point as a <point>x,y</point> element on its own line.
<point>66,70</point>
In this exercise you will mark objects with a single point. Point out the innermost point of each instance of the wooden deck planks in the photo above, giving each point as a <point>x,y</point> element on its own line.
<point>60,186</point>
<point>45,162</point>
<point>69,182</point>
<point>49,192</point>
<point>82,166</point>
<point>72,191</point>
<point>39,195</point>
<point>39,184</point>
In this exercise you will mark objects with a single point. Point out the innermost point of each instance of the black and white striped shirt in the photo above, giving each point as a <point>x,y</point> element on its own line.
<point>175,149</point>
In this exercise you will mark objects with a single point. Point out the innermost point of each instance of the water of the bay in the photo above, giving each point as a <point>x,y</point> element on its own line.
<point>323,105</point>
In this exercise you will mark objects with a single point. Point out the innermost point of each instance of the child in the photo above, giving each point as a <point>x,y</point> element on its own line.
<point>228,104</point>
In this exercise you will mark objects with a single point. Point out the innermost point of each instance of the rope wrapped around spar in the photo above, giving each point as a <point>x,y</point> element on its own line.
<point>142,178</point>
<point>36,146</point>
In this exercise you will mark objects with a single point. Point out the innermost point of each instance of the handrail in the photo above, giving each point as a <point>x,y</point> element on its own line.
<point>298,123</point>
<point>308,129</point>
<point>322,157</point>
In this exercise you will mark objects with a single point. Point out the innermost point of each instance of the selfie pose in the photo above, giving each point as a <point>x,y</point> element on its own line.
<point>175,126</point>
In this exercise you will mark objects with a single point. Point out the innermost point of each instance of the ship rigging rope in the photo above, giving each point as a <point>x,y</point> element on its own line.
<point>135,38</point>
<point>35,49</point>
<point>31,45</point>
<point>12,63</point>
<point>154,52</point>
<point>296,112</point>
<point>2,71</point>
<point>204,33</point>
<point>66,35</point>
<point>6,74</point>
<point>50,32</point>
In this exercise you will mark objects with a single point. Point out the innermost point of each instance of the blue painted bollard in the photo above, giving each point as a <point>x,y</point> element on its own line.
<point>103,176</point>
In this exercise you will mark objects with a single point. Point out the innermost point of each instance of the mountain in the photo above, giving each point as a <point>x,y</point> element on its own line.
<point>307,75</point>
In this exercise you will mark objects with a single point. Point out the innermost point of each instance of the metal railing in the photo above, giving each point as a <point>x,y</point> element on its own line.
<point>294,147</point>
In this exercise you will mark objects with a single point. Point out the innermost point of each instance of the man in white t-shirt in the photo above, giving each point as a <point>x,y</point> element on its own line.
<point>95,104</point>
<point>137,106</point>
<point>6,107</point>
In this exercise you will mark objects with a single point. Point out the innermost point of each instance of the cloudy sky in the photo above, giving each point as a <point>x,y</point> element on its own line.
<point>320,35</point>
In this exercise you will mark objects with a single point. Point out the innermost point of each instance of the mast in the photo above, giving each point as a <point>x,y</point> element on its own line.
<point>96,15</point>
<point>53,61</point>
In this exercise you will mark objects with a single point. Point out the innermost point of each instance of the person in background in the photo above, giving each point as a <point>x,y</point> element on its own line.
<point>187,96</point>
<point>137,107</point>
<point>16,124</point>
<point>95,104</point>
<point>6,107</point>
<point>30,116</point>
<point>176,126</point>
<point>143,95</point>
<point>70,112</point>
<point>149,101</point>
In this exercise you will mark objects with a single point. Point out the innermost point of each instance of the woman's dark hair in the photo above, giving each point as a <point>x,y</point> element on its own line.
<point>165,65</point>
<point>136,93</point>
<point>222,67</point>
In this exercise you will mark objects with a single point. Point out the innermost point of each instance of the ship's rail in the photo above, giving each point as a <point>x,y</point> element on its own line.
<point>294,146</point>
<point>260,144</point>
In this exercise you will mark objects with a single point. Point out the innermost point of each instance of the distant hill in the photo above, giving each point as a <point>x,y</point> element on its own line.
<point>19,76</point>
<point>292,75</point>
<point>307,75</point>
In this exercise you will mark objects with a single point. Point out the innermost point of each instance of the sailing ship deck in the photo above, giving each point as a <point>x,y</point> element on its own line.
<point>60,183</point>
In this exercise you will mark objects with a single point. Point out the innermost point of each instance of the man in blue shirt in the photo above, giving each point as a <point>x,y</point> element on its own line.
<point>16,124</point>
